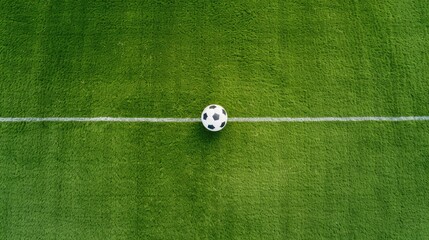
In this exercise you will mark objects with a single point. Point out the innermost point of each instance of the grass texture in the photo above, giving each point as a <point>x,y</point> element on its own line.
<point>177,181</point>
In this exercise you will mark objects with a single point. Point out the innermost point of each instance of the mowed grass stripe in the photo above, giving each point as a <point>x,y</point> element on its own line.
<point>187,120</point>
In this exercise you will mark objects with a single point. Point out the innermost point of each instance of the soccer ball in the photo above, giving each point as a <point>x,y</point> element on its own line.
<point>214,117</point>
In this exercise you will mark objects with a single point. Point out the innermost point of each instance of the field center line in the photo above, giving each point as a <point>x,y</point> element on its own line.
<point>236,119</point>
<point>331,119</point>
<point>98,119</point>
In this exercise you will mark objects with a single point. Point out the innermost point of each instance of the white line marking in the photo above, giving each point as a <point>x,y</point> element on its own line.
<point>332,119</point>
<point>99,119</point>
<point>188,120</point>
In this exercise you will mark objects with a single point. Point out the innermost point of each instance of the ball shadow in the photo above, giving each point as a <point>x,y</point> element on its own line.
<point>205,135</point>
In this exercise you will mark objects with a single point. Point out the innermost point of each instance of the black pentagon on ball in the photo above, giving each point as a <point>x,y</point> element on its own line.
<point>211,127</point>
<point>223,111</point>
<point>205,116</point>
<point>212,107</point>
<point>222,125</point>
<point>216,116</point>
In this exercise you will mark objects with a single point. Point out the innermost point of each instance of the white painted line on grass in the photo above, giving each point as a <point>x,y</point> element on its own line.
<point>332,119</point>
<point>190,120</point>
<point>99,119</point>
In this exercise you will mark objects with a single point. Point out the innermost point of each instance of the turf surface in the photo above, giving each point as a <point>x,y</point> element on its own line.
<point>177,181</point>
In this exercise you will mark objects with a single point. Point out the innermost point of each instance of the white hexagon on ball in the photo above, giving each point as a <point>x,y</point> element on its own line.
<point>214,117</point>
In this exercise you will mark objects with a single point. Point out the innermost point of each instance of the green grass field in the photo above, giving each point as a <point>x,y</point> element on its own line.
<point>320,180</point>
